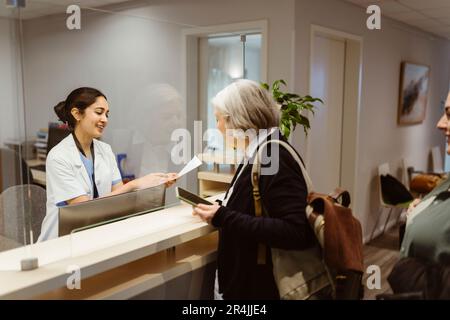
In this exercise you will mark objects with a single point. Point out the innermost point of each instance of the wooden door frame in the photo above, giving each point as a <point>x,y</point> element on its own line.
<point>351,105</point>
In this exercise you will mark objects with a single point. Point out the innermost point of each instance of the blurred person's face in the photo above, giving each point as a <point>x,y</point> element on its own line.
<point>444,123</point>
<point>220,122</point>
<point>94,119</point>
<point>157,112</point>
<point>231,141</point>
<point>221,126</point>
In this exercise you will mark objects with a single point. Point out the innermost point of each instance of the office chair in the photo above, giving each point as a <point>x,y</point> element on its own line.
<point>22,208</point>
<point>384,197</point>
<point>13,169</point>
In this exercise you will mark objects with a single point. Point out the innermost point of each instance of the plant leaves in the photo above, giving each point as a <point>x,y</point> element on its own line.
<point>265,85</point>
<point>285,131</point>
<point>291,107</point>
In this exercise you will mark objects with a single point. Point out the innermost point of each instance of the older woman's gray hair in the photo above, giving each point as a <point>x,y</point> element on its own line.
<point>246,105</point>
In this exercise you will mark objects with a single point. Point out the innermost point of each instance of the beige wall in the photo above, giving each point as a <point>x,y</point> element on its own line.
<point>380,138</point>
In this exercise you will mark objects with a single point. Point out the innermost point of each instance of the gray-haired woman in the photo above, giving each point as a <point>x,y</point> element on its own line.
<point>244,106</point>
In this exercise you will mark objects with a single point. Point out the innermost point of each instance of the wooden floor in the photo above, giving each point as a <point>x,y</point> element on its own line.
<point>383,252</point>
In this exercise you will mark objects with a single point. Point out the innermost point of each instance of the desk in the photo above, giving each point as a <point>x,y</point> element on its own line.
<point>120,260</point>
<point>38,175</point>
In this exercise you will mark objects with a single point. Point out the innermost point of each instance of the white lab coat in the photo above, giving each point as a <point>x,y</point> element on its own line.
<point>67,178</point>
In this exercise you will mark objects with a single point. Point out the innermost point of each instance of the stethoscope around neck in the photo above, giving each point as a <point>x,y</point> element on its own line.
<point>78,144</point>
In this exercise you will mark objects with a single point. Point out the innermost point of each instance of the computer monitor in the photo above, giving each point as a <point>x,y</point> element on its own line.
<point>55,134</point>
<point>110,209</point>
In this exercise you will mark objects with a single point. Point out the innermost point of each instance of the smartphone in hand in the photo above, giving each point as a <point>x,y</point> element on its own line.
<point>189,197</point>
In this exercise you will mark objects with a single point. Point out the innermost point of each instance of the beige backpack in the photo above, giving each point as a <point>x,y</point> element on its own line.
<point>299,274</point>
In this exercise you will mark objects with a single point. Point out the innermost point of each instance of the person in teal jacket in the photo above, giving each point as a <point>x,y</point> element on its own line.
<point>423,272</point>
<point>427,234</point>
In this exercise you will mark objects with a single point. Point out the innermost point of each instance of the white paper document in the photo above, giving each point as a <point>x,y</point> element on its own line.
<point>191,165</point>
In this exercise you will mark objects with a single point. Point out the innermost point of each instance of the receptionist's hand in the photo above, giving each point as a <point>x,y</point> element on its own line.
<point>151,180</point>
<point>206,212</point>
<point>156,179</point>
<point>171,179</point>
<point>167,178</point>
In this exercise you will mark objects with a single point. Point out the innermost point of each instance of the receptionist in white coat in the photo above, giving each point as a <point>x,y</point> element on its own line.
<point>80,167</point>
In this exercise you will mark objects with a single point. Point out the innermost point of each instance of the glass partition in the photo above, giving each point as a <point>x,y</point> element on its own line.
<point>14,147</point>
<point>50,49</point>
<point>135,56</point>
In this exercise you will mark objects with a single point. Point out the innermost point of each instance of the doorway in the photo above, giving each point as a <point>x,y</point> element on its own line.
<point>327,82</point>
<point>224,59</point>
<point>216,56</point>
<point>335,77</point>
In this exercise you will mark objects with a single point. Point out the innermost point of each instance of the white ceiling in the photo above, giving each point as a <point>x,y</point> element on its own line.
<point>432,16</point>
<point>39,8</point>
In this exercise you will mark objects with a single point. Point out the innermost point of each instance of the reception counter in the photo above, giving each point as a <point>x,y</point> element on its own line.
<point>167,254</point>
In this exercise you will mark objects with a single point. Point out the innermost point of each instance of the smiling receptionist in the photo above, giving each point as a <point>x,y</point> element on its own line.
<point>80,167</point>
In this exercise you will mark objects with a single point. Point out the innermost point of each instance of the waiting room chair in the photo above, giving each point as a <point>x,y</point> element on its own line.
<point>409,173</point>
<point>384,170</point>
<point>22,208</point>
<point>406,172</point>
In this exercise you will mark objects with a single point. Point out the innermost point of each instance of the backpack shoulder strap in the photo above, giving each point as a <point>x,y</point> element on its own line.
<point>256,167</point>
<point>341,196</point>
<point>256,172</point>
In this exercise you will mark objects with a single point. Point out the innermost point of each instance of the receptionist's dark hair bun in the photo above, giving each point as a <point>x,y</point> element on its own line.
<point>60,111</point>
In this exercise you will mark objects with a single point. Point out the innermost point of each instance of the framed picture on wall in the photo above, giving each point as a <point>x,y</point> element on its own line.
<point>414,83</point>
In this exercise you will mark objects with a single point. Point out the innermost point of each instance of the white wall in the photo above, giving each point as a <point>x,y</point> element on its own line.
<point>380,138</point>
<point>10,118</point>
<point>126,55</point>
<point>122,54</point>
<point>135,62</point>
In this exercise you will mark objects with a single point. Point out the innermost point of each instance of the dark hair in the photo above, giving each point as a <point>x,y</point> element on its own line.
<point>80,98</point>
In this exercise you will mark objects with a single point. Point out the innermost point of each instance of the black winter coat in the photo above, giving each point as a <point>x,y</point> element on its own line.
<point>284,199</point>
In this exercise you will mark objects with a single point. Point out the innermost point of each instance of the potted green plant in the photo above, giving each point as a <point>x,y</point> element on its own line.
<point>292,106</point>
